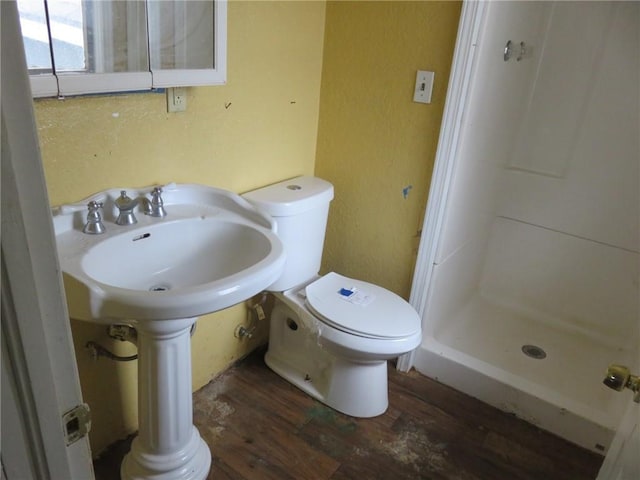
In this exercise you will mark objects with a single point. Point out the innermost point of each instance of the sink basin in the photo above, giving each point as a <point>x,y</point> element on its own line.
<point>211,251</point>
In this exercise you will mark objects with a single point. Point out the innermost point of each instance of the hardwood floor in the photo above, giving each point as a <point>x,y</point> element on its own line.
<point>260,427</point>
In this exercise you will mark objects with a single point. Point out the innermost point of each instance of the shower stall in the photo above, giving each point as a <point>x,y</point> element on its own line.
<point>527,276</point>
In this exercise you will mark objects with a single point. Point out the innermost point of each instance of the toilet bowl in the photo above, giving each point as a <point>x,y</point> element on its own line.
<point>330,335</point>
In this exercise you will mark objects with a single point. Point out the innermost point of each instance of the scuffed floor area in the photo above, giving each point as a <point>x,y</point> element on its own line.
<point>260,427</point>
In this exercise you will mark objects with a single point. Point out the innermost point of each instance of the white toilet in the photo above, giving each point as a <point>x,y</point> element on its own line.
<point>331,336</point>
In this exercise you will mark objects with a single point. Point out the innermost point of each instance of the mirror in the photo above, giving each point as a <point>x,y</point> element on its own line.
<point>180,43</point>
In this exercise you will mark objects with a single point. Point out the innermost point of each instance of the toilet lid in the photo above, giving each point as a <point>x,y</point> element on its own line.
<point>361,308</point>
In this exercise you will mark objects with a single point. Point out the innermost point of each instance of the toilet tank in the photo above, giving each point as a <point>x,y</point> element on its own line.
<point>300,207</point>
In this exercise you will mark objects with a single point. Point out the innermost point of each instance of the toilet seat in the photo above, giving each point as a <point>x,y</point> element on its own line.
<point>361,308</point>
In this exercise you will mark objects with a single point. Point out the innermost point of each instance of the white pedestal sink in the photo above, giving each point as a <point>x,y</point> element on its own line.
<point>211,251</point>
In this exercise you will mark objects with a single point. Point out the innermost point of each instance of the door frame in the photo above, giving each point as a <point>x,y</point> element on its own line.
<point>39,373</point>
<point>458,96</point>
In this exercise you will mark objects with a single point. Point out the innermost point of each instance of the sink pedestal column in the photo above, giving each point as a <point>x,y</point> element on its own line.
<point>168,445</point>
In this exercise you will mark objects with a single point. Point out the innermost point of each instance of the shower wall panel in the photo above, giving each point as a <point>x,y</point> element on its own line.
<point>565,241</point>
<point>493,109</point>
<point>577,151</point>
<point>563,280</point>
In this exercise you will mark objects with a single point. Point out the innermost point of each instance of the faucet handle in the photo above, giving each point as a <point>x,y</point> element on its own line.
<point>94,206</point>
<point>94,225</point>
<point>155,206</point>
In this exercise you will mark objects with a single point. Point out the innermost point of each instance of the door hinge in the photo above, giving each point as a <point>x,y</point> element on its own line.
<point>77,423</point>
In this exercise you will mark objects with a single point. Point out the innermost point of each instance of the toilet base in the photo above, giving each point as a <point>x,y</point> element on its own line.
<point>353,388</point>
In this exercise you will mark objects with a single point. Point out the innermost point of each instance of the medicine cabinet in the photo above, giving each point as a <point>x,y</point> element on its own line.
<point>76,47</point>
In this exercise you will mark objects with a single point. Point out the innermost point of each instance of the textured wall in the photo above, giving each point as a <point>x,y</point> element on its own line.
<point>259,128</point>
<point>374,144</point>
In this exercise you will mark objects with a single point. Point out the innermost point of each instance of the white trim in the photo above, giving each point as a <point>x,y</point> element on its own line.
<point>462,71</point>
<point>17,461</point>
<point>220,36</point>
<point>202,77</point>
<point>153,25</point>
<point>88,83</point>
<point>405,362</point>
<point>621,462</point>
<point>187,78</point>
<point>43,85</point>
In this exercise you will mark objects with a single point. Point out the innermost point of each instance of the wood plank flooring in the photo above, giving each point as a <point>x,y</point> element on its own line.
<point>260,427</point>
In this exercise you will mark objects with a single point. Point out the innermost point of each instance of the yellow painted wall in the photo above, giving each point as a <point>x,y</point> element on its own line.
<point>373,141</point>
<point>259,128</point>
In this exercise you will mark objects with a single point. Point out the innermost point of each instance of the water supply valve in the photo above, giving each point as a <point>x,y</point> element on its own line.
<point>124,333</point>
<point>255,314</point>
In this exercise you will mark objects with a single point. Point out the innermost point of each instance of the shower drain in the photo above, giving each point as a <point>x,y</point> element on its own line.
<point>534,351</point>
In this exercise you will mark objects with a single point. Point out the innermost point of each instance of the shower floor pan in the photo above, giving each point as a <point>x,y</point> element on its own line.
<point>556,384</point>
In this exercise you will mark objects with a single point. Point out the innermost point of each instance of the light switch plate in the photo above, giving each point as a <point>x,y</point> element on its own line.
<point>424,86</point>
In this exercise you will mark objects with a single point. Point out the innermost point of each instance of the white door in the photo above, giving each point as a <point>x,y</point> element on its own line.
<point>39,374</point>
<point>622,461</point>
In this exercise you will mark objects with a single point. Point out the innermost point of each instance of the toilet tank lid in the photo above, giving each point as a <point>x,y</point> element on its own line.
<point>292,196</point>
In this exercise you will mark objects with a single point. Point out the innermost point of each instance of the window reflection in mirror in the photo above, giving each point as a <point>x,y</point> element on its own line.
<point>67,35</point>
<point>181,34</point>
<point>90,36</point>
<point>116,36</point>
<point>33,22</point>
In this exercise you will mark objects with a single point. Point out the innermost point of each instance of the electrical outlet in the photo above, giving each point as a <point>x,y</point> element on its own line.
<point>176,99</point>
<point>424,87</point>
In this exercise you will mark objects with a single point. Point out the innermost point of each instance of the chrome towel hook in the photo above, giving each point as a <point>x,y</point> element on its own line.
<point>523,51</point>
<point>508,51</point>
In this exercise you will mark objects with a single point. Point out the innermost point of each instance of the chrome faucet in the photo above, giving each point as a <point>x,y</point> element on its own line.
<point>155,206</point>
<point>94,225</point>
<point>125,206</point>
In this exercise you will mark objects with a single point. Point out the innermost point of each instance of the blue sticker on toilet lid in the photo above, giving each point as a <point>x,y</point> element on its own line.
<point>346,292</point>
<point>361,308</point>
<point>356,296</point>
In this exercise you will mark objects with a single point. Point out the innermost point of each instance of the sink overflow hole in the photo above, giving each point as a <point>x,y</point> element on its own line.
<point>292,324</point>
<point>534,351</point>
<point>141,237</point>
<point>159,288</point>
